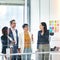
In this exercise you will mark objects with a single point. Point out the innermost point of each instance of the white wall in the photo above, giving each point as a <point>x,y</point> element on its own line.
<point>55,15</point>
<point>55,9</point>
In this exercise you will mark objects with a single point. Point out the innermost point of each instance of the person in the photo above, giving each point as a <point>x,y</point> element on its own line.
<point>43,41</point>
<point>26,40</point>
<point>5,40</point>
<point>13,33</point>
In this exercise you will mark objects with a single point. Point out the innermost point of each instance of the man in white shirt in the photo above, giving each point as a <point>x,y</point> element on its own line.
<point>13,33</point>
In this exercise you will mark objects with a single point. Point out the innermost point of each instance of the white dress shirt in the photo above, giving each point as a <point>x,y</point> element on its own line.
<point>14,35</point>
<point>11,45</point>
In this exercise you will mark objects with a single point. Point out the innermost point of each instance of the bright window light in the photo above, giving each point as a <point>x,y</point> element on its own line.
<point>3,10</point>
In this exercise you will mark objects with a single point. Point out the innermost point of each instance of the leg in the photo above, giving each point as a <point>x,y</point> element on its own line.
<point>46,49</point>
<point>29,55</point>
<point>24,56</point>
<point>14,49</point>
<point>46,56</point>
<point>40,56</point>
<point>19,57</point>
<point>11,53</point>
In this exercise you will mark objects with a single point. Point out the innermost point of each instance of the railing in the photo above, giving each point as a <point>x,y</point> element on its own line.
<point>52,55</point>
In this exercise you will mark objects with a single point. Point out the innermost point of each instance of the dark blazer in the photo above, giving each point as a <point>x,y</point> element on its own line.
<point>4,40</point>
<point>11,35</point>
<point>43,39</point>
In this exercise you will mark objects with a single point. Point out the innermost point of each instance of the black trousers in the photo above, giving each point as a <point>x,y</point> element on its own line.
<point>19,57</point>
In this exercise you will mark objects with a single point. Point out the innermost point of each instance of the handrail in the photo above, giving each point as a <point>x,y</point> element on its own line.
<point>31,53</point>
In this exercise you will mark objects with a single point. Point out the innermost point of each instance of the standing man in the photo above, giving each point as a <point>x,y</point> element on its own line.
<point>13,33</point>
<point>26,39</point>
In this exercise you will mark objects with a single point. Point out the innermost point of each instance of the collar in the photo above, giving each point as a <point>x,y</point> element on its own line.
<point>13,29</point>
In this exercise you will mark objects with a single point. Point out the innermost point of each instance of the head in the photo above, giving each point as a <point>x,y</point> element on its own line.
<point>43,26</point>
<point>13,23</point>
<point>25,27</point>
<point>5,30</point>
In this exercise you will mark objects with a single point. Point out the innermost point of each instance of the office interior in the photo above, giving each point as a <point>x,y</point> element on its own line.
<point>32,12</point>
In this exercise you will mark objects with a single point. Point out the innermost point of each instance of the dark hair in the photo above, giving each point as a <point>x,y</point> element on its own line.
<point>4,30</point>
<point>24,25</point>
<point>11,21</point>
<point>45,26</point>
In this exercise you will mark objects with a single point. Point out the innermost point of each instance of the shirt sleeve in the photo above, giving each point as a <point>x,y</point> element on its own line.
<point>20,40</point>
<point>10,38</point>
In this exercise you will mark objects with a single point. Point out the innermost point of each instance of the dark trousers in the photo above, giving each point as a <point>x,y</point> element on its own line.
<point>19,57</point>
<point>14,50</point>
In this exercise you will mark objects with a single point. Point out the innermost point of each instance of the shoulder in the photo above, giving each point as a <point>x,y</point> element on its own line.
<point>21,33</point>
<point>10,30</point>
<point>47,31</point>
<point>30,33</point>
<point>2,37</point>
<point>39,31</point>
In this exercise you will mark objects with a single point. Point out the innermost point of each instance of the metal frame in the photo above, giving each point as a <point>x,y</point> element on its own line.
<point>11,4</point>
<point>29,13</point>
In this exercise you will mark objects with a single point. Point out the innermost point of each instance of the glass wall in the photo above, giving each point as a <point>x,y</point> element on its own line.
<point>9,12</point>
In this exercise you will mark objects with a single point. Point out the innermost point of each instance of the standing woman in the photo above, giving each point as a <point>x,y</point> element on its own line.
<point>43,41</point>
<point>4,40</point>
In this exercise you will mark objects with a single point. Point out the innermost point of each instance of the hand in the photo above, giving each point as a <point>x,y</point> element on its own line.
<point>37,50</point>
<point>32,37</point>
<point>13,42</point>
<point>19,50</point>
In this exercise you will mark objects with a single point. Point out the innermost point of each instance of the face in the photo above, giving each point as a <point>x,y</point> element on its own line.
<point>13,25</point>
<point>41,27</point>
<point>26,28</point>
<point>7,31</point>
